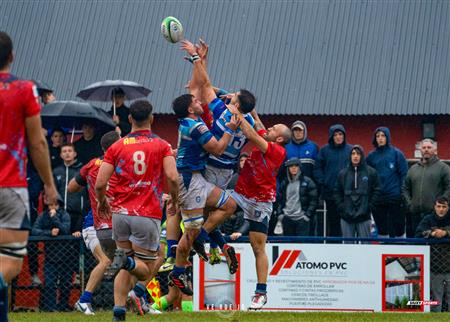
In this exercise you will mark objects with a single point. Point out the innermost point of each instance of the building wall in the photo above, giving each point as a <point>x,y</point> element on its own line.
<point>405,130</point>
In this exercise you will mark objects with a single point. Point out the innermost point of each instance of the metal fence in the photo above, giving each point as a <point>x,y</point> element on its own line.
<point>56,270</point>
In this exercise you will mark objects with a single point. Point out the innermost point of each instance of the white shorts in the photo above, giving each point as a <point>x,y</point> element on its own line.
<point>253,210</point>
<point>218,177</point>
<point>195,194</point>
<point>90,238</point>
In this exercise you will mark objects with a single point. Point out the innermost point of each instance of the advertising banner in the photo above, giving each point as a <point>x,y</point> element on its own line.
<point>328,277</point>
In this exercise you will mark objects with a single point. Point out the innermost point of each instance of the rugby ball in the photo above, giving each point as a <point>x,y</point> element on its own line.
<point>172,29</point>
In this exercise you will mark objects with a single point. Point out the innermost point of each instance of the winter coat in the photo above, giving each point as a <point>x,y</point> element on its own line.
<point>306,151</point>
<point>439,257</point>
<point>391,167</point>
<point>76,203</point>
<point>357,191</point>
<point>308,194</point>
<point>424,182</point>
<point>331,159</point>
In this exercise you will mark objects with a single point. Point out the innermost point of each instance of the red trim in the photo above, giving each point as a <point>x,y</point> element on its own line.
<point>292,258</point>
<point>280,262</point>
<point>202,281</point>
<point>384,281</point>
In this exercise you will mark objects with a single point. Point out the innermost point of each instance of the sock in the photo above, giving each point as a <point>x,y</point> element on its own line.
<point>86,297</point>
<point>163,304</point>
<point>216,236</point>
<point>139,290</point>
<point>119,311</point>
<point>187,306</point>
<point>261,288</point>
<point>202,237</point>
<point>131,264</point>
<point>171,244</point>
<point>212,244</point>
<point>3,299</point>
<point>177,271</point>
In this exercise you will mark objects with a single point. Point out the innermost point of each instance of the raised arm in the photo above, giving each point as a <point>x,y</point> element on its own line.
<point>217,147</point>
<point>251,134</point>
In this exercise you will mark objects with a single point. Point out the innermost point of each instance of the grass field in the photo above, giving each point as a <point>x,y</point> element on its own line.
<point>236,317</point>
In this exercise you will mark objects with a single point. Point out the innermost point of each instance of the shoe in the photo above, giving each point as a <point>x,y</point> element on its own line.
<point>258,301</point>
<point>181,283</point>
<point>119,262</point>
<point>232,261</point>
<point>168,265</point>
<point>200,250</point>
<point>214,256</point>
<point>35,280</point>
<point>135,303</point>
<point>152,310</point>
<point>85,308</point>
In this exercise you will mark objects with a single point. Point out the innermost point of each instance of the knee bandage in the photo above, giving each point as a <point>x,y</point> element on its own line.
<point>16,250</point>
<point>192,221</point>
<point>145,257</point>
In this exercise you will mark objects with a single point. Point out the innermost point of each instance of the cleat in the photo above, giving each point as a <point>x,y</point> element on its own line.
<point>258,301</point>
<point>200,250</point>
<point>181,283</point>
<point>167,266</point>
<point>119,262</point>
<point>135,303</point>
<point>232,261</point>
<point>85,308</point>
<point>152,310</point>
<point>214,256</point>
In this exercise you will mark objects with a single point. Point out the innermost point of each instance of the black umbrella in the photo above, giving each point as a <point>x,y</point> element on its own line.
<point>102,91</point>
<point>42,87</point>
<point>72,114</point>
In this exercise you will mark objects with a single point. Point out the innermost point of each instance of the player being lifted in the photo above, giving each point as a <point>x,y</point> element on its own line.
<point>20,125</point>
<point>140,161</point>
<point>195,141</point>
<point>220,168</point>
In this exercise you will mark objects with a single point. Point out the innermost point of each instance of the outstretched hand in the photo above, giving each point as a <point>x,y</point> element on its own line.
<point>234,123</point>
<point>189,47</point>
<point>202,49</point>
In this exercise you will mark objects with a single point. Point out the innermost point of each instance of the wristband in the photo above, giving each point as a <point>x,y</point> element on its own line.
<point>193,58</point>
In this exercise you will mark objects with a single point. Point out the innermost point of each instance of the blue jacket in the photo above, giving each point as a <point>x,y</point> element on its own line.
<point>331,159</point>
<point>391,166</point>
<point>306,151</point>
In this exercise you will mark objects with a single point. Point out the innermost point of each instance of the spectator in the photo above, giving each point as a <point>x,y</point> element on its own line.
<point>123,125</point>
<point>55,221</point>
<point>303,148</point>
<point>437,225</point>
<point>88,146</point>
<point>332,158</point>
<point>57,139</point>
<point>74,203</point>
<point>357,190</point>
<point>297,197</point>
<point>391,166</point>
<point>425,180</point>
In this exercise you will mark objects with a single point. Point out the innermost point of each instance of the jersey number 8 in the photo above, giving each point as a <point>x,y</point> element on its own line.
<point>139,162</point>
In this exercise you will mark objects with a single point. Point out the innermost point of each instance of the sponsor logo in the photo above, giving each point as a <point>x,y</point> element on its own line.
<point>414,303</point>
<point>293,262</point>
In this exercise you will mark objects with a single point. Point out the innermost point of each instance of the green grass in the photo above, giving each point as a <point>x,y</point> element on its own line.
<point>236,317</point>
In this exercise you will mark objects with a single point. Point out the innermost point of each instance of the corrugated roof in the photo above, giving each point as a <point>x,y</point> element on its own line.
<point>298,57</point>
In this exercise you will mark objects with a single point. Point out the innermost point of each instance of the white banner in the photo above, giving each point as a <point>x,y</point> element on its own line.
<point>308,277</point>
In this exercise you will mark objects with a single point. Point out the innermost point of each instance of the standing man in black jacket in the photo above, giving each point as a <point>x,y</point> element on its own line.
<point>356,193</point>
<point>120,115</point>
<point>437,225</point>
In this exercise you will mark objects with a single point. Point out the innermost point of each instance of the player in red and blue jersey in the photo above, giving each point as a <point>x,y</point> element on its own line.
<point>141,161</point>
<point>20,125</point>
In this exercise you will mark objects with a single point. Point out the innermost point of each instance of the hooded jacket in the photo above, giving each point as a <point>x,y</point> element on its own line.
<point>76,203</point>
<point>390,164</point>
<point>357,190</point>
<point>332,158</point>
<point>423,183</point>
<point>439,259</point>
<point>307,191</point>
<point>306,150</point>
